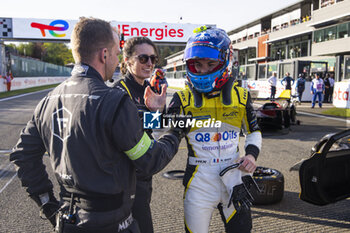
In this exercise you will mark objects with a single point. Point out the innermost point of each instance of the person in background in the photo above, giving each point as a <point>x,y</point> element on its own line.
<point>140,57</point>
<point>273,82</point>
<point>331,88</point>
<point>300,87</point>
<point>317,90</point>
<point>8,80</point>
<point>94,139</point>
<point>212,94</point>
<point>327,86</point>
<point>287,81</point>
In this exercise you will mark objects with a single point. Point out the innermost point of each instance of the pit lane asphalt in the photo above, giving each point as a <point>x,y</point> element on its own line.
<point>280,150</point>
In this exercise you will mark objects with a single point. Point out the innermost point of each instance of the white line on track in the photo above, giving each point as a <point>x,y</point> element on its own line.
<point>5,151</point>
<point>317,115</point>
<point>18,96</point>
<point>3,172</point>
<point>8,182</point>
<point>18,109</point>
<point>322,116</point>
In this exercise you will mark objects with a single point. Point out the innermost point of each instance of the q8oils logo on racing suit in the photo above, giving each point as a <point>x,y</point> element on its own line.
<point>213,143</point>
<point>207,137</point>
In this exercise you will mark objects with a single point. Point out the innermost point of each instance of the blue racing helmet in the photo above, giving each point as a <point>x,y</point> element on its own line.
<point>208,44</point>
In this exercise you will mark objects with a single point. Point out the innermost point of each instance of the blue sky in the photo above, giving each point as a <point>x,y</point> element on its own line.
<point>226,14</point>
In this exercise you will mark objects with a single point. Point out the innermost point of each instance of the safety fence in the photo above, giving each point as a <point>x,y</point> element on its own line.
<point>30,67</point>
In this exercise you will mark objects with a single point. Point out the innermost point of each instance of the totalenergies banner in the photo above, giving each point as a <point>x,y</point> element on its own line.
<point>58,29</point>
<point>341,98</point>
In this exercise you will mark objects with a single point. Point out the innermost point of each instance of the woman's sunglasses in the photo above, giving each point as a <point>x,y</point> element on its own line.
<point>143,58</point>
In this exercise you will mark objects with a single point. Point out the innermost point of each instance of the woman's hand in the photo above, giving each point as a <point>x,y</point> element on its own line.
<point>154,101</point>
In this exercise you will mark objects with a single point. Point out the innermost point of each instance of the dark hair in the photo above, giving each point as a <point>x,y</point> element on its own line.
<point>88,36</point>
<point>129,49</point>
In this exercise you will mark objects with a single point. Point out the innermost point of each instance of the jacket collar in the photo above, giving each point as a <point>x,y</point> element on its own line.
<point>85,70</point>
<point>130,81</point>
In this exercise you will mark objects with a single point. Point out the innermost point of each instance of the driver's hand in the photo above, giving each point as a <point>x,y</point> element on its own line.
<point>248,163</point>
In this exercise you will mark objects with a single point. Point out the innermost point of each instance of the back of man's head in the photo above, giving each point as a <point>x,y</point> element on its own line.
<point>88,37</point>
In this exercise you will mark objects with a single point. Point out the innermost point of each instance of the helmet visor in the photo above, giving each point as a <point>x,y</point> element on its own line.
<point>203,66</point>
<point>202,51</point>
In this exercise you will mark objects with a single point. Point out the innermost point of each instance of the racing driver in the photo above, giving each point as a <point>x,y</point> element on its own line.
<point>211,93</point>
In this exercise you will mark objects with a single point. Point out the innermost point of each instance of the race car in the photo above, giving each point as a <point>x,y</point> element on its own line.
<point>273,115</point>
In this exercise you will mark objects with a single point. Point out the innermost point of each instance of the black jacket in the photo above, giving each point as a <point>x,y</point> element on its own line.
<point>88,129</point>
<point>135,91</point>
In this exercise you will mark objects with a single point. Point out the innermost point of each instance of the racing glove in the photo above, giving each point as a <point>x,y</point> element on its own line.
<point>49,206</point>
<point>157,80</point>
<point>238,184</point>
<point>179,126</point>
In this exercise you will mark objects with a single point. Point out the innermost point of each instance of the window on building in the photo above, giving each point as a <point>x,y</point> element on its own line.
<point>330,33</point>
<point>245,55</point>
<point>270,69</point>
<point>304,49</point>
<point>278,50</point>
<point>342,30</point>
<point>262,71</point>
<point>286,67</point>
<point>294,50</point>
<point>242,57</point>
<point>251,54</point>
<point>318,36</point>
<point>325,3</point>
<point>347,68</point>
<point>250,72</point>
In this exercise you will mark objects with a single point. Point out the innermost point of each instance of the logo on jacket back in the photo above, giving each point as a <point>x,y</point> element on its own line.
<point>151,120</point>
<point>61,123</point>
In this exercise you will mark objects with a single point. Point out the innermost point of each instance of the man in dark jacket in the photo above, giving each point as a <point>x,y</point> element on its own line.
<point>287,81</point>
<point>300,87</point>
<point>95,141</point>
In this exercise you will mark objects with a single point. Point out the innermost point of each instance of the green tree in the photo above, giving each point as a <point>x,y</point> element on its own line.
<point>57,53</point>
<point>165,51</point>
<point>25,49</point>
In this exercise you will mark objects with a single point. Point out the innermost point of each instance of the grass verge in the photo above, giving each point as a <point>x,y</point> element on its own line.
<point>23,91</point>
<point>342,112</point>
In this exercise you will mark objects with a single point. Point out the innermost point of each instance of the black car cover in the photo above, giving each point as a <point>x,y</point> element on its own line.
<point>325,176</point>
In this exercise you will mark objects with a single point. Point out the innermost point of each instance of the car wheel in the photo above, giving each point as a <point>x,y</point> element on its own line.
<point>286,119</point>
<point>293,114</point>
<point>271,184</point>
<point>279,120</point>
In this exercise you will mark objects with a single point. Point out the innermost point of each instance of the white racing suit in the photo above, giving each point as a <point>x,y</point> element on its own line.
<point>211,149</point>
